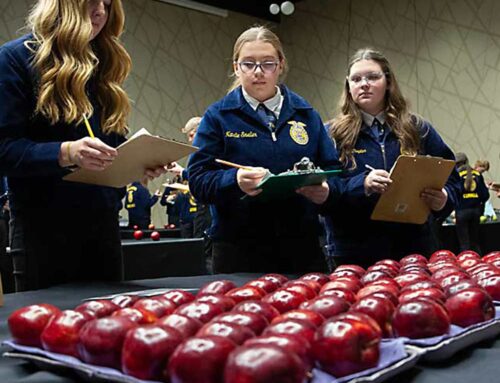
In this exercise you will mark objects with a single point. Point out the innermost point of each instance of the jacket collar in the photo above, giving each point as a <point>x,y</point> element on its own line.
<point>291,103</point>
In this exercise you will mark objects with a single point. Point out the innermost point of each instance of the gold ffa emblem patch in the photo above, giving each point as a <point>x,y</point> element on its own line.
<point>298,132</point>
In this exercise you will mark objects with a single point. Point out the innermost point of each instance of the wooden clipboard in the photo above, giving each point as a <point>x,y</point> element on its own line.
<point>142,151</point>
<point>410,175</point>
<point>177,186</point>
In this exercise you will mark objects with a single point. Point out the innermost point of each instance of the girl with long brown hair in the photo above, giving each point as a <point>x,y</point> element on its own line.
<point>374,126</point>
<point>68,69</point>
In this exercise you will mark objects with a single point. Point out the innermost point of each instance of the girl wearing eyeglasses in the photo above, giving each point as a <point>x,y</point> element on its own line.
<point>264,126</point>
<point>373,128</point>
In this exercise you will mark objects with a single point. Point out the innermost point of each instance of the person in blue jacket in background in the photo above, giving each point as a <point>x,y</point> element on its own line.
<point>263,126</point>
<point>138,202</point>
<point>474,194</point>
<point>373,128</point>
<point>70,67</point>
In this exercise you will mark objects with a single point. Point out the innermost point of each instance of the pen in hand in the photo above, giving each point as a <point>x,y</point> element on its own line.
<point>369,167</point>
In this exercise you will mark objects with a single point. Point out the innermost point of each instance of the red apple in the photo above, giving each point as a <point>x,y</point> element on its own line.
<point>460,285</point>
<point>348,295</point>
<point>468,254</point>
<point>290,343</point>
<point>327,306</point>
<point>158,307</point>
<point>276,277</point>
<point>268,285</point>
<point>296,327</point>
<point>421,285</point>
<point>375,287</point>
<point>431,293</point>
<point>135,227</point>
<point>146,350</point>
<point>166,226</point>
<point>453,278</point>
<point>151,226</point>
<point>217,287</point>
<point>199,360</point>
<point>138,234</point>
<point>444,272</point>
<point>356,269</point>
<point>348,283</point>
<point>233,331</point>
<point>203,311</point>
<point>492,286</point>
<point>441,254</point>
<point>27,323</point>
<point>310,316</point>
<point>264,363</point>
<point>125,300</point>
<point>284,300</point>
<point>391,270</point>
<point>385,295</point>
<point>223,301</point>
<point>155,236</point>
<point>317,277</point>
<point>301,288</point>
<point>240,294</point>
<point>413,259</point>
<point>100,308</point>
<point>343,347</point>
<point>491,257</point>
<point>136,315</point>
<point>379,309</point>
<point>186,326</point>
<point>470,306</point>
<point>390,262</point>
<point>101,340</point>
<point>179,297</point>
<point>255,322</point>
<point>420,318</point>
<point>258,307</point>
<point>407,279</point>
<point>61,335</point>
<point>171,226</point>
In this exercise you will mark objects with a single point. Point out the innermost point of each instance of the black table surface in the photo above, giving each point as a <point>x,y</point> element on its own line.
<point>477,364</point>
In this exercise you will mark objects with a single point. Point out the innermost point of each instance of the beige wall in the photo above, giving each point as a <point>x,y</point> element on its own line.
<point>446,54</point>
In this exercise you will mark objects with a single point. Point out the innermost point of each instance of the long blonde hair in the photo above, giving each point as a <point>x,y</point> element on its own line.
<point>346,127</point>
<point>257,33</point>
<point>66,60</point>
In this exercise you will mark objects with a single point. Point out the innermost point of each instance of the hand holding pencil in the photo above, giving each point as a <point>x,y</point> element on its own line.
<point>248,177</point>
<point>87,153</point>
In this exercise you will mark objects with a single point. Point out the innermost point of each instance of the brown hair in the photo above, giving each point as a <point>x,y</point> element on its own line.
<point>66,61</point>
<point>485,164</point>
<point>346,127</point>
<point>462,163</point>
<point>257,33</point>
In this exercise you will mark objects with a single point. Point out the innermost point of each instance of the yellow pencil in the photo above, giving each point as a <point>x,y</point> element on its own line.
<point>232,164</point>
<point>87,124</point>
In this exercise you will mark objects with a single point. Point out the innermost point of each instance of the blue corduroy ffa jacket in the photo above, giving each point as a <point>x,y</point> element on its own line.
<point>354,233</point>
<point>30,144</point>
<point>231,130</point>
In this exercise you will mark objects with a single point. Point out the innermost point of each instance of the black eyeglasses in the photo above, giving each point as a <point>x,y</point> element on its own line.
<point>251,66</point>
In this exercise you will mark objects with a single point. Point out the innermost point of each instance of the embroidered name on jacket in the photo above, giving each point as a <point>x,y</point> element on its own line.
<point>359,151</point>
<point>298,132</point>
<point>241,134</point>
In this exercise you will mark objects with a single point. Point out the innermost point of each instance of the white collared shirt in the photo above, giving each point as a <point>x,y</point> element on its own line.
<point>274,104</point>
